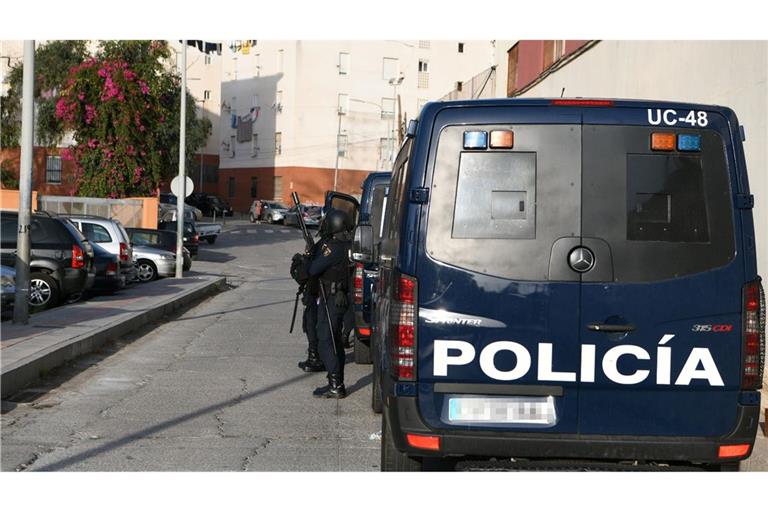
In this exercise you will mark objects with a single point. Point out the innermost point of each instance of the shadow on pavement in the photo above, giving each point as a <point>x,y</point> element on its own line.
<point>117,443</point>
<point>215,313</point>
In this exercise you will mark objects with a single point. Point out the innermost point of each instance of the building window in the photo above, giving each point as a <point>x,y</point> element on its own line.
<point>280,60</point>
<point>278,143</point>
<point>387,108</point>
<point>231,186</point>
<point>254,144</point>
<point>53,170</point>
<point>257,60</point>
<point>254,187</point>
<point>207,59</point>
<point>459,86</point>
<point>341,142</point>
<point>390,68</point>
<point>343,104</point>
<point>278,193</point>
<point>424,45</point>
<point>461,47</point>
<point>552,52</point>
<point>232,145</point>
<point>423,81</point>
<point>343,63</point>
<point>206,95</point>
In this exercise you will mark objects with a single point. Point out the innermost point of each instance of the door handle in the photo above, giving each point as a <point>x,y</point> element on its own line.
<point>611,327</point>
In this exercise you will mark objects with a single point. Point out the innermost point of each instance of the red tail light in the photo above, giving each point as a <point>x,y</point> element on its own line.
<point>423,442</point>
<point>78,257</point>
<point>402,328</point>
<point>112,268</point>
<point>753,350</point>
<point>358,282</point>
<point>582,103</point>
<point>196,238</point>
<point>123,251</point>
<point>733,450</point>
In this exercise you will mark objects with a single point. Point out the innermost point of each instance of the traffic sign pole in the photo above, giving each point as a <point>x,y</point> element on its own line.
<point>180,198</point>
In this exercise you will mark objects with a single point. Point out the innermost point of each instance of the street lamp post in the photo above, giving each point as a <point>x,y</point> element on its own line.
<point>394,82</point>
<point>202,148</point>
<point>182,161</point>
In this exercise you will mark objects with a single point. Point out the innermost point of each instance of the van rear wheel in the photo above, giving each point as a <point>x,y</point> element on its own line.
<point>362,352</point>
<point>391,458</point>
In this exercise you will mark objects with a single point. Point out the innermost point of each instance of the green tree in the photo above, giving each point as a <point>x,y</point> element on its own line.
<point>122,107</point>
<point>53,61</point>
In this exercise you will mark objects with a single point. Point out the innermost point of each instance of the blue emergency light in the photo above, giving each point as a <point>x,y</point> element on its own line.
<point>475,140</point>
<point>688,142</point>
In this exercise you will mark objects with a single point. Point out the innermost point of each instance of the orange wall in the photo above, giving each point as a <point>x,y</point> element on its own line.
<point>9,199</point>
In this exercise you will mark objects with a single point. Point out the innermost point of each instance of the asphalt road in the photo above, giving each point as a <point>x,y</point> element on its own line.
<point>214,389</point>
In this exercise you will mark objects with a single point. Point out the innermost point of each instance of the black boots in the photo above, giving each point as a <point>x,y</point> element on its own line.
<point>334,389</point>
<point>313,363</point>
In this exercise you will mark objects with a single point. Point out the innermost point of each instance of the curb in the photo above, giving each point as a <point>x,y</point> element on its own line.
<point>19,375</point>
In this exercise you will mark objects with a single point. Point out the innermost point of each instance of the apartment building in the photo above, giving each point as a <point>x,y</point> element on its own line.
<point>305,115</point>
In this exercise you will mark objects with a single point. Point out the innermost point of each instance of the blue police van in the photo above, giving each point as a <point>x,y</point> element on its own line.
<point>570,279</point>
<point>372,203</point>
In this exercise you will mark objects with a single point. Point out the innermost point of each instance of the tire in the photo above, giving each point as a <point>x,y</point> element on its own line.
<point>376,403</point>
<point>362,352</point>
<point>147,271</point>
<point>211,240</point>
<point>252,218</point>
<point>391,458</point>
<point>269,219</point>
<point>43,292</point>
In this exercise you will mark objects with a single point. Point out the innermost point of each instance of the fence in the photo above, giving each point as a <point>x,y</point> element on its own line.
<point>482,85</point>
<point>130,212</point>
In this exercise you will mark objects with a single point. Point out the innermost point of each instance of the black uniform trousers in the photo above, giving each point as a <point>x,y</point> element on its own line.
<point>334,363</point>
<point>309,321</point>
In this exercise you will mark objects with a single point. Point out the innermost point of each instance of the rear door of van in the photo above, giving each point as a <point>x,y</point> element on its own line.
<point>662,305</point>
<point>493,279</point>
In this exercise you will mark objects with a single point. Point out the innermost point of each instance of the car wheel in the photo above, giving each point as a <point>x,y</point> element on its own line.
<point>269,219</point>
<point>252,218</point>
<point>391,458</point>
<point>211,240</point>
<point>147,271</point>
<point>362,352</point>
<point>43,292</point>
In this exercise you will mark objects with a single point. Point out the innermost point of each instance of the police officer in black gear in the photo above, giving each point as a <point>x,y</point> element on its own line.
<point>310,294</point>
<point>330,266</point>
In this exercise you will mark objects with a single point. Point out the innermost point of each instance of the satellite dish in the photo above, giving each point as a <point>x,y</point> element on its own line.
<point>176,186</point>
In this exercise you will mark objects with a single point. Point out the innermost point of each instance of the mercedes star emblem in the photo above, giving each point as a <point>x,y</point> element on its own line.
<point>581,259</point>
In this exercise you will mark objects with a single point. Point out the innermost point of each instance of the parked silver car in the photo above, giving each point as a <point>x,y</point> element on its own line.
<point>110,235</point>
<point>273,212</point>
<point>152,263</point>
<point>310,213</point>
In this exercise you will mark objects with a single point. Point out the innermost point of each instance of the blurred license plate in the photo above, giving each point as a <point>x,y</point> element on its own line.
<point>509,409</point>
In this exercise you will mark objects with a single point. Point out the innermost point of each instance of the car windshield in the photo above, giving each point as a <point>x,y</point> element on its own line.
<point>276,206</point>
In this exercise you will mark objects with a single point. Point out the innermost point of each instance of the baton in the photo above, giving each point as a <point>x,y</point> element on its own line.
<point>328,316</point>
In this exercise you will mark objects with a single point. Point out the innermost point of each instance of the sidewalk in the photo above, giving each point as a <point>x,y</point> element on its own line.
<point>53,337</point>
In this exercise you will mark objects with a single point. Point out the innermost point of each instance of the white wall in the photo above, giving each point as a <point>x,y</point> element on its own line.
<point>311,83</point>
<point>729,73</point>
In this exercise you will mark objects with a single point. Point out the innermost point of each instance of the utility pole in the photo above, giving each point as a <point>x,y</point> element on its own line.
<point>21,299</point>
<point>182,162</point>
<point>338,150</point>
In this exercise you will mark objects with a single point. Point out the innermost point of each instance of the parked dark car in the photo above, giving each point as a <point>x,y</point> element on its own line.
<point>61,259</point>
<point>159,239</point>
<point>191,237</point>
<point>210,205</point>
<point>108,270</point>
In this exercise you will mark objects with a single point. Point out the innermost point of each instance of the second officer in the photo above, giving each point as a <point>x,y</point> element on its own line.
<point>330,265</point>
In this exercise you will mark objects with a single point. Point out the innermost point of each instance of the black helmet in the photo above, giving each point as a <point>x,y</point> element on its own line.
<point>335,221</point>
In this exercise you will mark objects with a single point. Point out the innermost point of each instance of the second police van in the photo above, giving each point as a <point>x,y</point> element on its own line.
<point>569,279</point>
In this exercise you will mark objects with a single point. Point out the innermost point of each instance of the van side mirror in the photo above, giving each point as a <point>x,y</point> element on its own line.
<point>362,245</point>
